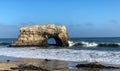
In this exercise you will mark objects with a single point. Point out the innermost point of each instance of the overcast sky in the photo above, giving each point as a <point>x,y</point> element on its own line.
<point>83,18</point>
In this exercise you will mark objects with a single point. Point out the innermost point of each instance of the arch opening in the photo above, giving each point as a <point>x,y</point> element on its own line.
<point>51,42</point>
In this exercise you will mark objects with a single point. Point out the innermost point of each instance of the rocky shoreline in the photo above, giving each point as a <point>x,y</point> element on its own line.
<point>93,65</point>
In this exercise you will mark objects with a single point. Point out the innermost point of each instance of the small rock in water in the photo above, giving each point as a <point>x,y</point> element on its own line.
<point>47,60</point>
<point>8,60</point>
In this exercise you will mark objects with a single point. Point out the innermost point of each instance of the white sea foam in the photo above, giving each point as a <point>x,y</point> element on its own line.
<point>71,43</point>
<point>92,44</point>
<point>85,44</point>
<point>118,44</point>
<point>96,56</point>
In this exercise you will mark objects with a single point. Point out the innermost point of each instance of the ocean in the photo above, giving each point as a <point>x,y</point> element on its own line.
<point>100,50</point>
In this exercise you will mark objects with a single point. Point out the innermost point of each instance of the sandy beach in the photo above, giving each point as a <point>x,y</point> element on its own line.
<point>44,64</point>
<point>50,65</point>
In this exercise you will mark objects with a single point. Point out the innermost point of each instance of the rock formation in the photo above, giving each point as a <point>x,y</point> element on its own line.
<point>38,35</point>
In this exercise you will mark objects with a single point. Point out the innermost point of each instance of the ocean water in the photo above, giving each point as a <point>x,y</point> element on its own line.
<point>104,51</point>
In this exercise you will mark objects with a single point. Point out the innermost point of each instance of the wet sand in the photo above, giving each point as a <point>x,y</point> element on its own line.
<point>50,65</point>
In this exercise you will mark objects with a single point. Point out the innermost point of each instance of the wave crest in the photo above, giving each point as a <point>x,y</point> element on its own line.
<point>4,43</point>
<point>93,44</point>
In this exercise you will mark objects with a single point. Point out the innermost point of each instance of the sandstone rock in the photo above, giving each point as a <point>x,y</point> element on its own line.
<point>38,35</point>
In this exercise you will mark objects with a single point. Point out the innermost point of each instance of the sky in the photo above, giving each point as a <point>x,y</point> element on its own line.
<point>83,18</point>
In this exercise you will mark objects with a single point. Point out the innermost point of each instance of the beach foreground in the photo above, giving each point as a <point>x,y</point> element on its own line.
<point>44,65</point>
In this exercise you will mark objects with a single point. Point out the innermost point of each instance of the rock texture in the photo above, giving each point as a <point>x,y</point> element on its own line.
<point>38,35</point>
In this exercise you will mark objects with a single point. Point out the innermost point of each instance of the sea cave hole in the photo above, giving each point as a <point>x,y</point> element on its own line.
<point>52,42</point>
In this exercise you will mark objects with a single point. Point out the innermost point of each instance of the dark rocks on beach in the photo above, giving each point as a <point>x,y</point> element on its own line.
<point>40,34</point>
<point>23,67</point>
<point>5,70</point>
<point>92,65</point>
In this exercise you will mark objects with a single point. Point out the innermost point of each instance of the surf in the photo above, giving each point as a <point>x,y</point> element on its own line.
<point>92,44</point>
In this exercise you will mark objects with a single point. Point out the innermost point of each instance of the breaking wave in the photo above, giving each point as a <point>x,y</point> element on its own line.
<point>4,43</point>
<point>93,44</point>
<point>85,56</point>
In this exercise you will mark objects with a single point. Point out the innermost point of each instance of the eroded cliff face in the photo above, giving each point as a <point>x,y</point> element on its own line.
<point>39,35</point>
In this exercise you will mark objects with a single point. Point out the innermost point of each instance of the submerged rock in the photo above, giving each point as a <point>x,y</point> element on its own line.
<point>39,35</point>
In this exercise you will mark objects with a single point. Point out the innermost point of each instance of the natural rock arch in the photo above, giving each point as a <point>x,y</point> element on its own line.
<point>39,35</point>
